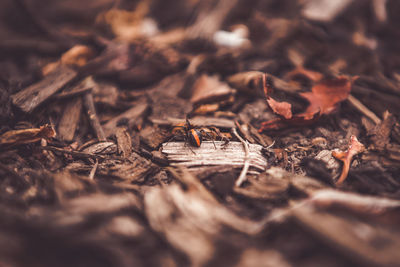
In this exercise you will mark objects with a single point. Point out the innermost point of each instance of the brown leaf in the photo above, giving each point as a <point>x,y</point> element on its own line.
<point>326,95</point>
<point>281,108</point>
<point>324,98</point>
<point>26,136</point>
<point>355,147</point>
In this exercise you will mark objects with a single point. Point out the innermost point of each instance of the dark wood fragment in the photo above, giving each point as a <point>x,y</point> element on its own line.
<point>94,120</point>
<point>70,119</point>
<point>31,97</point>
<point>131,115</point>
<point>124,142</point>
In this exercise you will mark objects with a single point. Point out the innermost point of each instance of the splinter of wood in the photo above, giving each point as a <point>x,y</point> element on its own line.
<point>94,120</point>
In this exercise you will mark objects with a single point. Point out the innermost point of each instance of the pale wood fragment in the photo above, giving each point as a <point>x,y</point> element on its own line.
<point>233,154</point>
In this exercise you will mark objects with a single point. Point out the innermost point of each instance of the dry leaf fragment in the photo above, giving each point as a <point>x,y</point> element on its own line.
<point>324,98</point>
<point>355,147</point>
<point>281,108</point>
<point>26,136</point>
<point>326,95</point>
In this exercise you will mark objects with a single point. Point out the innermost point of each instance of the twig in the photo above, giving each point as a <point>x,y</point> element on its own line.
<point>363,109</point>
<point>246,165</point>
<point>94,120</point>
<point>93,170</point>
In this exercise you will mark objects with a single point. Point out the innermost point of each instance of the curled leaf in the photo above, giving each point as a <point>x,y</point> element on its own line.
<point>283,109</point>
<point>324,98</point>
<point>26,136</point>
<point>355,147</point>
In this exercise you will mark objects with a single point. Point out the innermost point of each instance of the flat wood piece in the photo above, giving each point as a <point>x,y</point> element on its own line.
<point>131,115</point>
<point>70,119</point>
<point>233,154</point>
<point>32,96</point>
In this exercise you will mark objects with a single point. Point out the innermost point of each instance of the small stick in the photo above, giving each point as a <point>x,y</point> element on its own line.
<point>246,165</point>
<point>363,109</point>
<point>94,120</point>
<point>93,170</point>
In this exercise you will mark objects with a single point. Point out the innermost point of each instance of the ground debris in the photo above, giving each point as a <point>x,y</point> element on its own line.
<point>149,100</point>
<point>232,154</point>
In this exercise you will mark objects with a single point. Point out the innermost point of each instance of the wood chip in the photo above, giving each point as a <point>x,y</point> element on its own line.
<point>131,115</point>
<point>124,142</point>
<point>179,154</point>
<point>31,97</point>
<point>70,119</point>
<point>210,89</point>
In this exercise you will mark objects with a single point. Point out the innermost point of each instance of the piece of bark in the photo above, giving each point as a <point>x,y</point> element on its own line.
<point>209,89</point>
<point>31,97</point>
<point>232,154</point>
<point>209,19</point>
<point>70,119</point>
<point>265,186</point>
<point>93,118</point>
<point>101,148</point>
<point>153,136</point>
<point>124,142</point>
<point>250,82</point>
<point>364,243</point>
<point>131,115</point>
<point>198,121</point>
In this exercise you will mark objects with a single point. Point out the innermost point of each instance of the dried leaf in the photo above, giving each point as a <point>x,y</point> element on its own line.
<point>355,148</point>
<point>281,108</point>
<point>326,95</point>
<point>26,136</point>
<point>324,98</point>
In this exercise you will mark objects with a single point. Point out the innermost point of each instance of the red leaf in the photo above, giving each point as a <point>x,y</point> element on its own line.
<point>283,109</point>
<point>324,98</point>
<point>326,95</point>
<point>355,147</point>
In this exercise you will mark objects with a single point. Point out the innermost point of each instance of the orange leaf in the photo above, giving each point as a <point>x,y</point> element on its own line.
<point>355,147</point>
<point>281,108</point>
<point>324,98</point>
<point>326,95</point>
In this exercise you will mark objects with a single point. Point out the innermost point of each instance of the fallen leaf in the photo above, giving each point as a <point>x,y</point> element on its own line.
<point>26,136</point>
<point>326,95</point>
<point>281,108</point>
<point>355,147</point>
<point>324,98</point>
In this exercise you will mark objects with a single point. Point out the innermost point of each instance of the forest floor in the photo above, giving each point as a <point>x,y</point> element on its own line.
<point>199,133</point>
